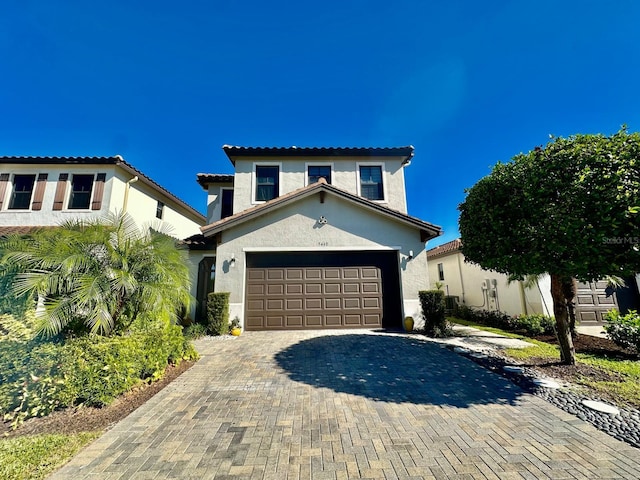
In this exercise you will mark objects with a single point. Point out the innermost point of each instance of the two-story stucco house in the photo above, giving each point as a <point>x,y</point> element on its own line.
<point>313,238</point>
<point>46,191</point>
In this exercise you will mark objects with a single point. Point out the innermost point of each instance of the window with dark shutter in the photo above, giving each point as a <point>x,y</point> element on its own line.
<point>81,186</point>
<point>22,192</point>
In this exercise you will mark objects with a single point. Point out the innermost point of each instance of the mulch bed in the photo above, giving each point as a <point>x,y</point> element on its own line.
<point>87,419</point>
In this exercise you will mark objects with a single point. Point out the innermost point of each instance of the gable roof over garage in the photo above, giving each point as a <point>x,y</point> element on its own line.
<point>427,230</point>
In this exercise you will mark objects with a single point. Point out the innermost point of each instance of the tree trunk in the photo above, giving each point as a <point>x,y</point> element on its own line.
<point>570,287</point>
<point>567,351</point>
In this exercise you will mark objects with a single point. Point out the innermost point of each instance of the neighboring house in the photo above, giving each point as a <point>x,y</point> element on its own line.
<point>312,238</point>
<point>489,290</point>
<point>484,289</point>
<point>46,191</point>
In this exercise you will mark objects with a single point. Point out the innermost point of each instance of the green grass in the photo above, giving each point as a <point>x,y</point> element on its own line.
<point>34,457</point>
<point>497,331</point>
<point>626,391</point>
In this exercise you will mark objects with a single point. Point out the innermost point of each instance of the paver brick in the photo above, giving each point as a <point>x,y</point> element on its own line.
<point>346,404</point>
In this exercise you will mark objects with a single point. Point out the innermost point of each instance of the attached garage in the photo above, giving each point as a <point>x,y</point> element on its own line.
<point>302,290</point>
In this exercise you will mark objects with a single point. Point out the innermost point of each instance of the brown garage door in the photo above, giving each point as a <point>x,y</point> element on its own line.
<point>313,297</point>
<point>593,301</point>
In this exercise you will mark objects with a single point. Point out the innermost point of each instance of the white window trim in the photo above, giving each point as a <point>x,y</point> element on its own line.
<point>11,188</point>
<point>254,181</point>
<point>385,195</point>
<point>70,187</point>
<point>317,164</point>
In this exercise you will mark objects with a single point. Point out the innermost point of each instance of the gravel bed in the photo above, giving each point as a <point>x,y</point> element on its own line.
<point>624,427</point>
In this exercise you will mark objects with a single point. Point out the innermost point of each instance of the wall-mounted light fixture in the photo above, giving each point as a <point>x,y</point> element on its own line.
<point>322,220</point>
<point>410,255</point>
<point>232,262</point>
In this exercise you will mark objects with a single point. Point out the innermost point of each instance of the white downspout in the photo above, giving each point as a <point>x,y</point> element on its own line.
<point>126,193</point>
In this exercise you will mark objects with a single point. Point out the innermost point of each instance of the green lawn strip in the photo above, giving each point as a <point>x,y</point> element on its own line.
<point>497,331</point>
<point>628,390</point>
<point>34,457</point>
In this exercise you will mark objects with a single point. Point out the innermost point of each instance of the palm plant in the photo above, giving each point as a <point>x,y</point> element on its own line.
<point>100,274</point>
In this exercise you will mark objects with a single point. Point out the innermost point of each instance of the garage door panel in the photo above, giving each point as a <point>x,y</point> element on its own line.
<point>371,302</point>
<point>295,321</point>
<point>313,303</point>
<point>330,288</point>
<point>275,289</point>
<point>332,273</point>
<point>277,305</point>
<point>313,321</point>
<point>332,304</point>
<point>370,287</point>
<point>313,297</point>
<point>275,274</point>
<point>352,303</point>
<point>351,288</point>
<point>273,321</point>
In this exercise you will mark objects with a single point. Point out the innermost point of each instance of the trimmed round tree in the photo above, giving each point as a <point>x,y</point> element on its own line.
<point>570,209</point>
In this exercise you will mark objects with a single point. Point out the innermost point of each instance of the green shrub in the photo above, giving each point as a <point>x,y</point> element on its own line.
<point>194,331</point>
<point>624,330</point>
<point>38,377</point>
<point>18,328</point>
<point>432,303</point>
<point>533,325</point>
<point>218,313</point>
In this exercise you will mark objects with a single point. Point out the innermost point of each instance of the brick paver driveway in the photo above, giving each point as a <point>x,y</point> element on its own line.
<point>349,404</point>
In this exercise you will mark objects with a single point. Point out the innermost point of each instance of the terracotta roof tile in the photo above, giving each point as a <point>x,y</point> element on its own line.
<point>21,229</point>
<point>445,248</point>
<point>205,179</point>
<point>293,151</point>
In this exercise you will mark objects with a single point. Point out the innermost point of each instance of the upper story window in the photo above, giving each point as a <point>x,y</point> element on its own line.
<point>159,210</point>
<point>267,182</point>
<point>440,271</point>
<point>371,182</point>
<point>226,203</point>
<point>81,186</point>
<point>316,172</point>
<point>22,192</point>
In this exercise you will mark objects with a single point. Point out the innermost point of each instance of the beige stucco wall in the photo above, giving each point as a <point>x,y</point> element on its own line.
<point>142,204</point>
<point>214,200</point>
<point>295,226</point>
<point>345,175</point>
<point>466,279</point>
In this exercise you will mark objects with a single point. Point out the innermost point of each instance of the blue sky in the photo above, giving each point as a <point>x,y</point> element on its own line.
<point>165,84</point>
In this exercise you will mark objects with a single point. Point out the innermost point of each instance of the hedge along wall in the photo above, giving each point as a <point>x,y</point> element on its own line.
<point>218,313</point>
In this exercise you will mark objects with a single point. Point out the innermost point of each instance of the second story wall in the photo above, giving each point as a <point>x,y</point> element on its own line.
<point>51,200</point>
<point>345,172</point>
<point>46,194</point>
